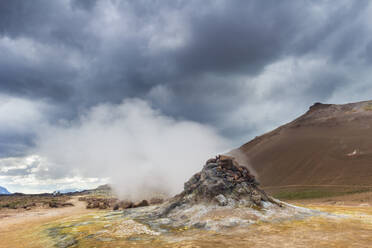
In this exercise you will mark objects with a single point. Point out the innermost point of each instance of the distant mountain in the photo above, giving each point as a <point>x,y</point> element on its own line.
<point>4,191</point>
<point>330,144</point>
<point>100,190</point>
<point>64,191</point>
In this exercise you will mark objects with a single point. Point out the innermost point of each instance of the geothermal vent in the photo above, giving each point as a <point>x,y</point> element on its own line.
<point>222,182</point>
<point>223,194</point>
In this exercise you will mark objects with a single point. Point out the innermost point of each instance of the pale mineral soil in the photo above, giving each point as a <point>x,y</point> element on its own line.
<point>17,225</point>
<point>352,227</point>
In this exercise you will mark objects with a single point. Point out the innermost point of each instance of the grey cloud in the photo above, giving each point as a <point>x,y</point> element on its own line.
<point>91,52</point>
<point>367,55</point>
<point>84,4</point>
<point>15,145</point>
<point>17,172</point>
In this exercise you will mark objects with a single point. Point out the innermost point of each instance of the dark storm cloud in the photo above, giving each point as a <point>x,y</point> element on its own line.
<point>46,80</point>
<point>245,36</point>
<point>84,4</point>
<point>14,145</point>
<point>19,172</point>
<point>196,60</point>
<point>22,17</point>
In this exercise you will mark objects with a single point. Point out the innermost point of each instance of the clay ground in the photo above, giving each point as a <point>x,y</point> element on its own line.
<point>354,229</point>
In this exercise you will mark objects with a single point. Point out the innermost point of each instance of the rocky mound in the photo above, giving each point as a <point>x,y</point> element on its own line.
<point>223,194</point>
<point>222,182</point>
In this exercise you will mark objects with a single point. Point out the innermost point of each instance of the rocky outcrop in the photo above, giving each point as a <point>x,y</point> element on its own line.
<point>223,194</point>
<point>115,204</point>
<point>223,182</point>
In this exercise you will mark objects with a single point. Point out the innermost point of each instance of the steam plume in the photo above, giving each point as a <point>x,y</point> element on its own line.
<point>138,148</point>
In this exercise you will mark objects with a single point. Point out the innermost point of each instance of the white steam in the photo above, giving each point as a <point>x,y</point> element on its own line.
<point>141,150</point>
<point>243,160</point>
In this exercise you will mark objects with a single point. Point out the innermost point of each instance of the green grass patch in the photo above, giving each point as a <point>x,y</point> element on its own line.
<point>368,107</point>
<point>313,194</point>
<point>304,195</point>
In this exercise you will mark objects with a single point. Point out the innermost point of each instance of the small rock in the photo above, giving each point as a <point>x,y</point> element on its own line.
<point>143,203</point>
<point>67,204</point>
<point>256,198</point>
<point>199,225</point>
<point>221,199</point>
<point>66,242</point>
<point>53,204</point>
<point>211,160</point>
<point>245,203</point>
<point>105,239</point>
<point>210,165</point>
<point>95,204</point>
<point>102,205</point>
<point>156,201</point>
<point>231,202</point>
<point>126,204</point>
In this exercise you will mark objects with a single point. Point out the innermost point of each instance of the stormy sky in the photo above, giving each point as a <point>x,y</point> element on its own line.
<point>233,68</point>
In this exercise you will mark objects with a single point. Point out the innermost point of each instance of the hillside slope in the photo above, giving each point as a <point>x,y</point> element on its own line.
<point>329,145</point>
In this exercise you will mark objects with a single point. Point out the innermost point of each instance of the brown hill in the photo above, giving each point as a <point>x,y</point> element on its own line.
<point>330,145</point>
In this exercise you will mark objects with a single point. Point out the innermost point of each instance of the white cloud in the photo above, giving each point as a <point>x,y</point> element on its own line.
<point>283,91</point>
<point>21,115</point>
<point>24,174</point>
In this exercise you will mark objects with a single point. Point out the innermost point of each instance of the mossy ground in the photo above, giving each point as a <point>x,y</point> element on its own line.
<point>314,194</point>
<point>304,193</point>
<point>368,107</point>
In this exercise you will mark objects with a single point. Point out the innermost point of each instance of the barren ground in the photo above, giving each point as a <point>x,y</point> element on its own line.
<point>352,228</point>
<point>14,223</point>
